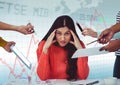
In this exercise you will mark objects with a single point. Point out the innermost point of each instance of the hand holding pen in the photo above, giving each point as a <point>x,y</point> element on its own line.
<point>106,36</point>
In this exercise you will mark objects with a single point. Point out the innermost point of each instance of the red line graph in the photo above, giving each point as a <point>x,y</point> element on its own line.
<point>23,69</point>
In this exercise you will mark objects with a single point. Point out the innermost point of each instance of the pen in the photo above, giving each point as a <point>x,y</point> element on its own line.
<point>92,42</point>
<point>79,26</point>
<point>92,83</point>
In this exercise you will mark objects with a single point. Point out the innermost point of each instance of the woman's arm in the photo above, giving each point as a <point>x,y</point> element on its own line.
<point>83,67</point>
<point>43,68</point>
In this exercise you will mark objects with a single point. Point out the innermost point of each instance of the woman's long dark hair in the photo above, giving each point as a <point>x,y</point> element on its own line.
<point>63,21</point>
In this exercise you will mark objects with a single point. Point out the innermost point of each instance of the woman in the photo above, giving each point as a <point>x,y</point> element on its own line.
<point>56,49</point>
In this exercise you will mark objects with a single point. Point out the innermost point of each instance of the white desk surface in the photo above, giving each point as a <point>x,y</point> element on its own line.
<point>79,82</point>
<point>63,82</point>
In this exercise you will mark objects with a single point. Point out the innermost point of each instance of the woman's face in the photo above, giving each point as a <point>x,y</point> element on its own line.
<point>63,36</point>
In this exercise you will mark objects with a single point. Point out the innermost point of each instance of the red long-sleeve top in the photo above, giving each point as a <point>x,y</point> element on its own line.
<point>53,65</point>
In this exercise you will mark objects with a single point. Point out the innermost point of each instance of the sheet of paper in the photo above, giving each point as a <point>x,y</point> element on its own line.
<point>88,52</point>
<point>21,56</point>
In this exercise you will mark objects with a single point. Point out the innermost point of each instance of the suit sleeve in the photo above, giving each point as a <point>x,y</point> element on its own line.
<point>2,42</point>
<point>43,68</point>
<point>82,65</point>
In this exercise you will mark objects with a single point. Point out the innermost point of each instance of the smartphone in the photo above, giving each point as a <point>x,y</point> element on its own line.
<point>79,26</point>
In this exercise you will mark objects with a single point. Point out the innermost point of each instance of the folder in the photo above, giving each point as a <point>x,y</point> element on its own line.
<point>21,56</point>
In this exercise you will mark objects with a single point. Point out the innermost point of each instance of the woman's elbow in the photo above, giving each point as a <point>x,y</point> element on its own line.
<point>41,75</point>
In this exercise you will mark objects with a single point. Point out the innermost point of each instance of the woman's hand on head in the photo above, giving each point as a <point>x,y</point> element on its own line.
<point>76,41</point>
<point>49,41</point>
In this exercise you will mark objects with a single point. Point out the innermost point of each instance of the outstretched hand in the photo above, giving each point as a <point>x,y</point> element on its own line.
<point>105,36</point>
<point>26,29</point>
<point>113,45</point>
